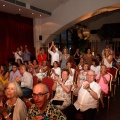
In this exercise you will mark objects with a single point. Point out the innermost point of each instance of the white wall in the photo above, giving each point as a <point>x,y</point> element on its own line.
<point>64,16</point>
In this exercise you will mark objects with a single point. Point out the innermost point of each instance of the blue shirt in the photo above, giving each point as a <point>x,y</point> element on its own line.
<point>26,56</point>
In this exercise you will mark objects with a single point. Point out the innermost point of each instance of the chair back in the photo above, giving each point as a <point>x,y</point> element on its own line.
<point>49,82</point>
<point>35,80</point>
<point>110,82</point>
<point>27,103</point>
<point>113,71</point>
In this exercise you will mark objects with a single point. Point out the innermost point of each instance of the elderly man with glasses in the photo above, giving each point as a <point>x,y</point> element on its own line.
<point>88,92</point>
<point>43,109</point>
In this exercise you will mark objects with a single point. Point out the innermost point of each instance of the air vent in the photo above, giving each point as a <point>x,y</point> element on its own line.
<point>11,1</point>
<point>16,2</point>
<point>20,3</point>
<point>40,10</point>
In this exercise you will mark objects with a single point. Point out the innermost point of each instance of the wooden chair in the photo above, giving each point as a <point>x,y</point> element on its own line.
<point>113,71</point>
<point>49,82</point>
<point>118,77</point>
<point>110,91</point>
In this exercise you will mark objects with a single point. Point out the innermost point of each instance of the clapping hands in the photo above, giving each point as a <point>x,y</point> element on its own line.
<point>86,85</point>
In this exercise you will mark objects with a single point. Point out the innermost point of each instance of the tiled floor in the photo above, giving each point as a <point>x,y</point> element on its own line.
<point>114,111</point>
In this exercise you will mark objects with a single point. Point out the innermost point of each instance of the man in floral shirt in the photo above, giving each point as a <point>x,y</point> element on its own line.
<point>42,109</point>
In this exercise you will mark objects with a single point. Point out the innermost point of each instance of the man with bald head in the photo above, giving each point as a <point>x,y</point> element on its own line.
<point>42,109</point>
<point>88,92</point>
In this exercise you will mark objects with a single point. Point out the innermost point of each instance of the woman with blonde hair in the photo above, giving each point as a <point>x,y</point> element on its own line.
<point>14,108</point>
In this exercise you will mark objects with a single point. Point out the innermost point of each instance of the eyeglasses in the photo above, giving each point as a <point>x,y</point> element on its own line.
<point>38,95</point>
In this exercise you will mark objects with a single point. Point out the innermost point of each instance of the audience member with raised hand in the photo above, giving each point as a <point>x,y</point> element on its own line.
<point>18,54</point>
<point>63,87</point>
<point>42,70</point>
<point>26,54</point>
<point>14,108</point>
<point>107,58</point>
<point>71,70</point>
<point>41,56</point>
<point>64,58</point>
<point>4,74</point>
<point>56,70</point>
<point>103,79</point>
<point>42,109</point>
<point>88,93</point>
<point>83,73</point>
<point>53,51</point>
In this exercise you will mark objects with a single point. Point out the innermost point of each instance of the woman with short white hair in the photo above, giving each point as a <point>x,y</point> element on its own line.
<point>14,108</point>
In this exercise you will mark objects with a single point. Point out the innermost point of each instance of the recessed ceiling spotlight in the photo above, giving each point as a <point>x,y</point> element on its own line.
<point>19,9</point>
<point>32,13</point>
<point>3,5</point>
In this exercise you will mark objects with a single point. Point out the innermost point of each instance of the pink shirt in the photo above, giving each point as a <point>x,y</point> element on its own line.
<point>103,86</point>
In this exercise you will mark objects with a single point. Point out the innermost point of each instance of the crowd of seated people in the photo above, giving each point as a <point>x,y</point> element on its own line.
<point>89,84</point>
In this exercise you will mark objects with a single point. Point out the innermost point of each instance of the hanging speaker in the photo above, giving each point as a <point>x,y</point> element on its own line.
<point>40,37</point>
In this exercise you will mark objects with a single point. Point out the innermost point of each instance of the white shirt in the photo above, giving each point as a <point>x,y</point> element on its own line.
<point>106,63</point>
<point>54,56</point>
<point>71,77</point>
<point>85,101</point>
<point>57,71</point>
<point>96,69</point>
<point>17,56</point>
<point>27,80</point>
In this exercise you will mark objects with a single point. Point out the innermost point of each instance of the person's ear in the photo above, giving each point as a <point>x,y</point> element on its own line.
<point>48,96</point>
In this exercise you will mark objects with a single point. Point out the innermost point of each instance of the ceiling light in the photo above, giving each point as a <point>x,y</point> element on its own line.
<point>32,13</point>
<point>40,15</point>
<point>19,9</point>
<point>3,5</point>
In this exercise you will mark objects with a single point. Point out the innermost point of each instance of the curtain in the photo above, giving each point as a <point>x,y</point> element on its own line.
<point>15,31</point>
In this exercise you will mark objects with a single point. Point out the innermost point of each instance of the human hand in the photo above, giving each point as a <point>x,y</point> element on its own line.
<point>86,85</point>
<point>79,83</point>
<point>17,79</point>
<point>3,111</point>
<point>56,77</point>
<point>52,70</point>
<point>52,42</point>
